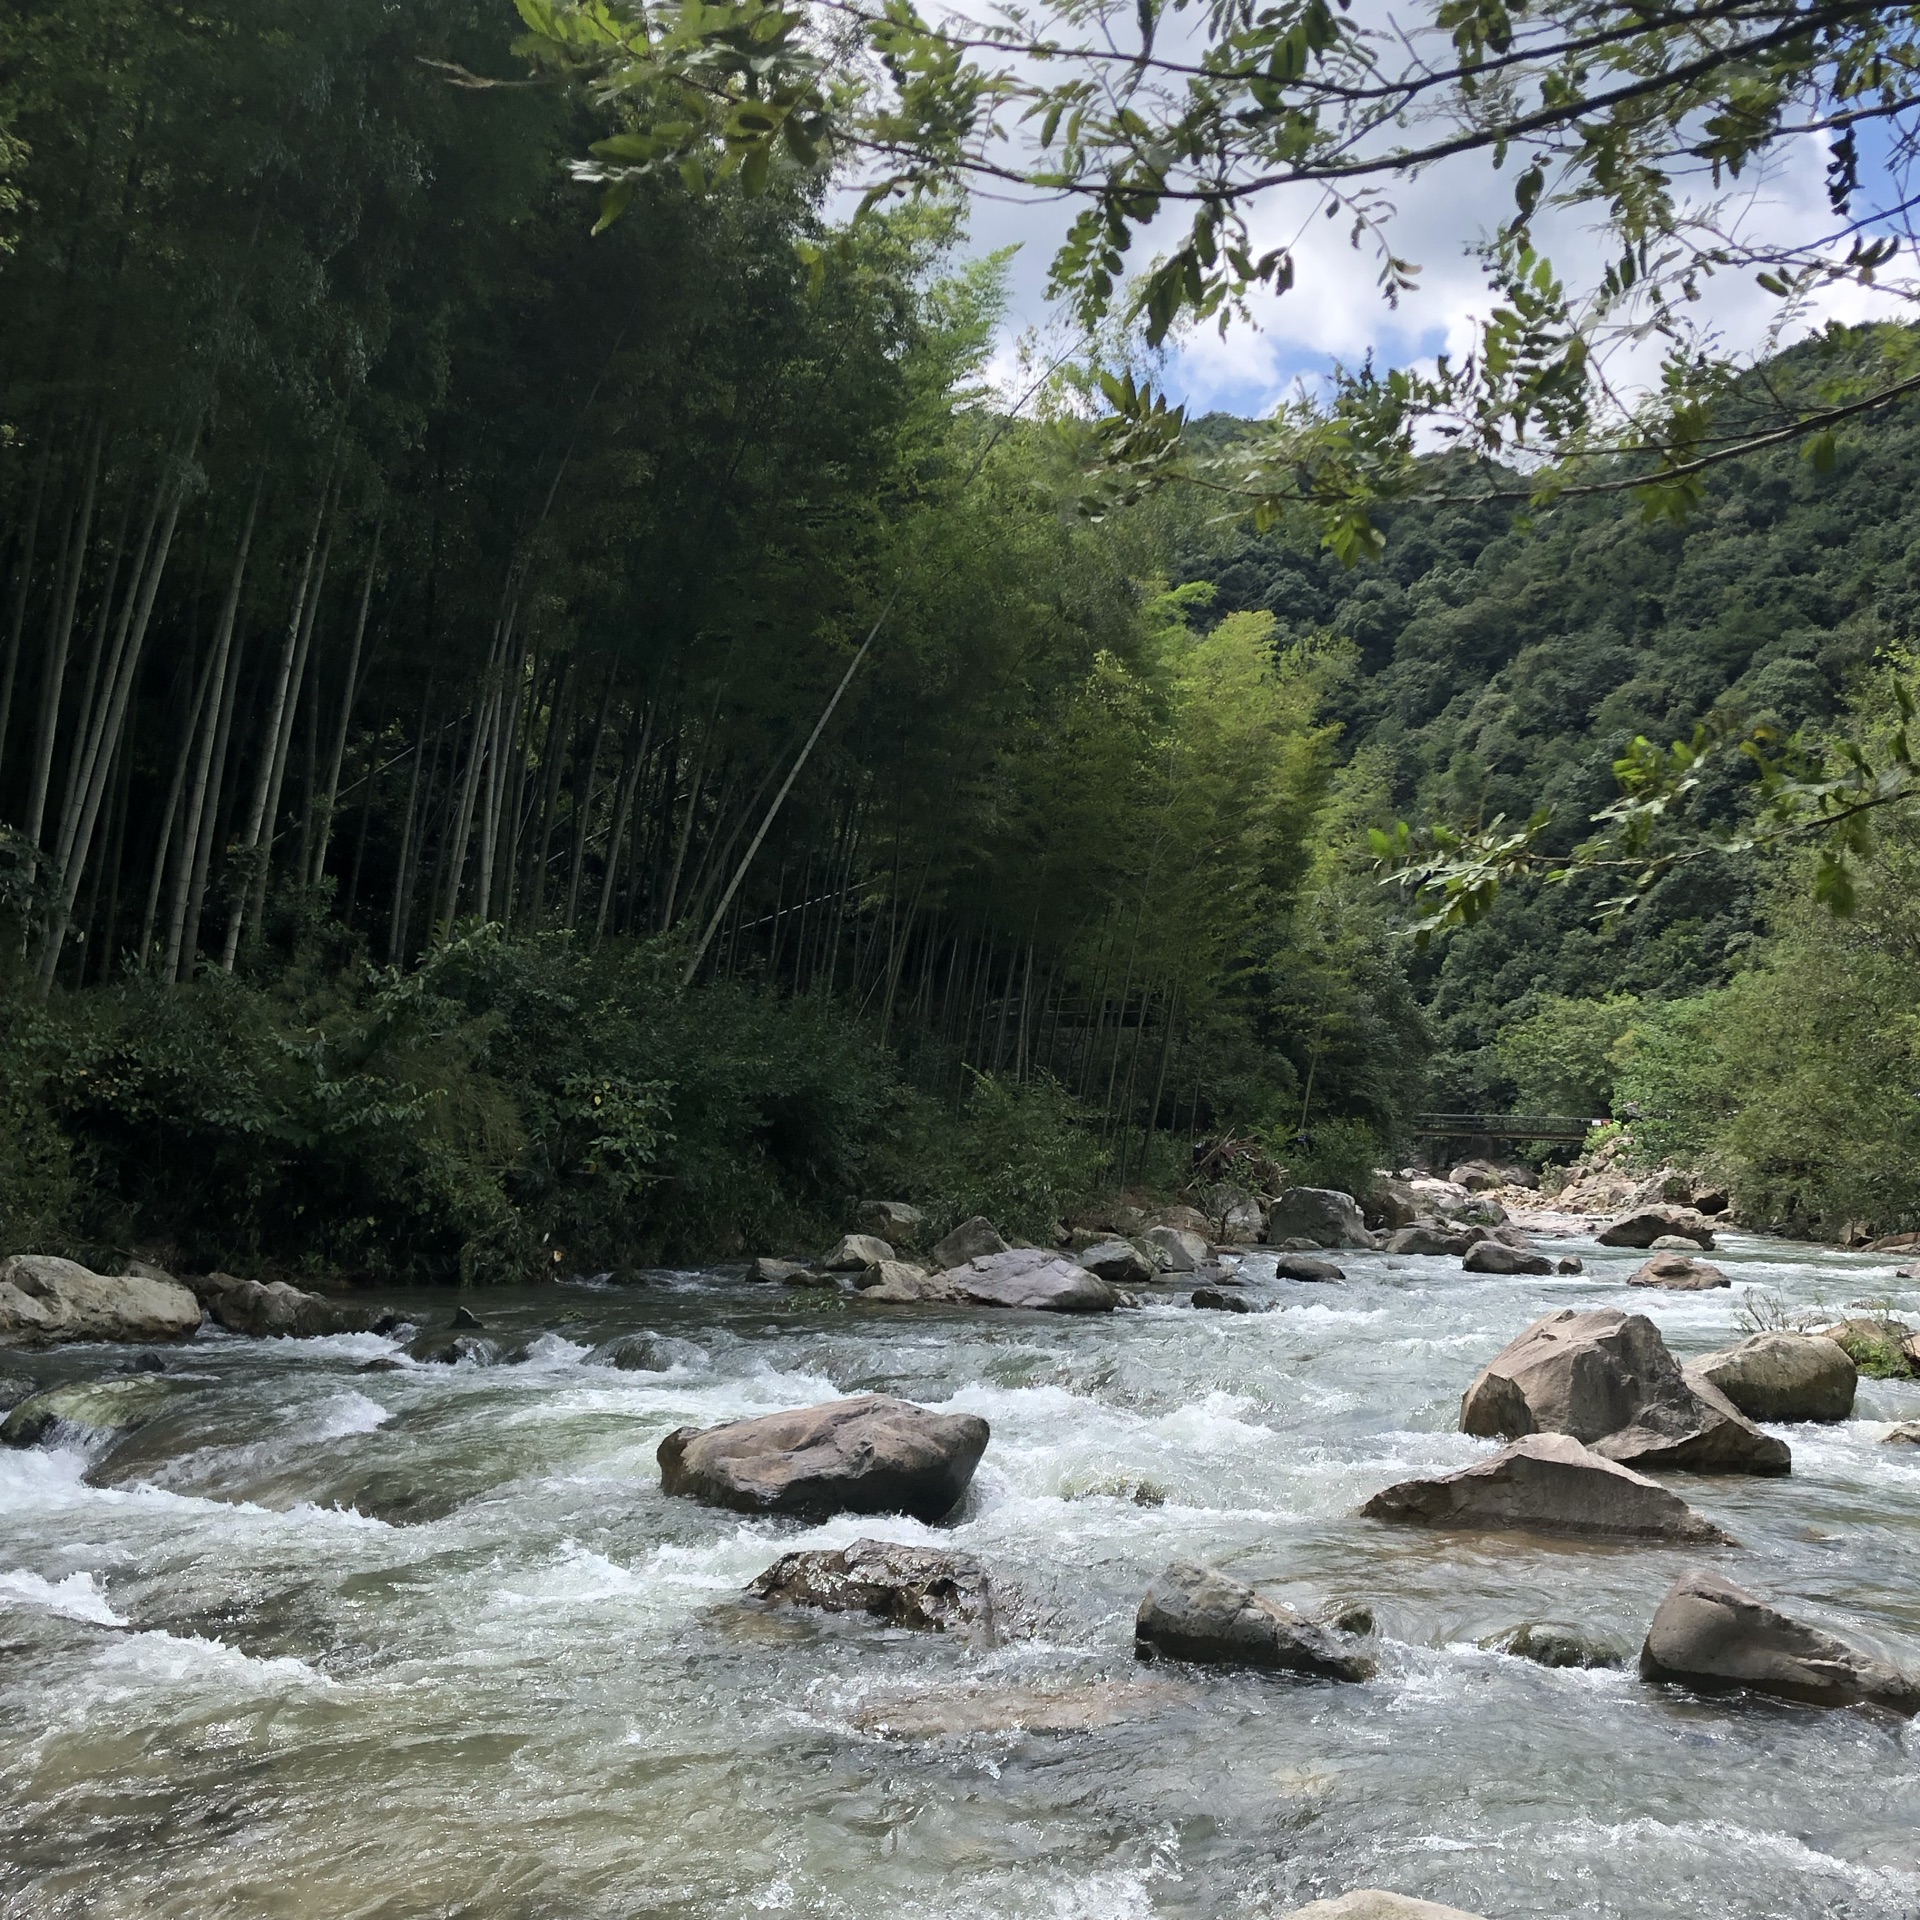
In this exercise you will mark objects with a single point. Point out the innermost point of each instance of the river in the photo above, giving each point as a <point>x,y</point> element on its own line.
<point>332,1642</point>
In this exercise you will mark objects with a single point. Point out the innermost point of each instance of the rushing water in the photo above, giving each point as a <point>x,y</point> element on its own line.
<point>429,1641</point>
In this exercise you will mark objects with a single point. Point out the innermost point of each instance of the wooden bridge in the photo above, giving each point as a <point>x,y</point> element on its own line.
<point>1555,1127</point>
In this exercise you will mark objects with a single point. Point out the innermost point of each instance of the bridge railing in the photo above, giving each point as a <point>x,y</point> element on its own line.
<point>1502,1126</point>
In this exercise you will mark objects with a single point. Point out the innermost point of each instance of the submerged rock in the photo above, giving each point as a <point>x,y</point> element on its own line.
<point>870,1454</point>
<point>1645,1225</point>
<point>89,1410</point>
<point>1606,1378</point>
<point>1197,1614</point>
<point>1679,1273</point>
<point>45,1299</point>
<point>449,1349</point>
<point>905,1586</point>
<point>1499,1256</point>
<point>1324,1215</point>
<point>1784,1376</point>
<point>1118,1262</point>
<point>1711,1635</point>
<point>1375,1903</point>
<point>1552,1646</point>
<point>1546,1483</point>
<point>272,1309</point>
<point>1304,1266</point>
<point>971,1710</point>
<point>968,1241</point>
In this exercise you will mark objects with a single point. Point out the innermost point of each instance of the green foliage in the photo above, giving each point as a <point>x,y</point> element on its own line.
<point>1561,1058</point>
<point>1343,1154</point>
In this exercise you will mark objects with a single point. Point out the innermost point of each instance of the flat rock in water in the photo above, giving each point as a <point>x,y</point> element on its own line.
<point>89,1410</point>
<point>1607,1378</point>
<point>1029,1277</point>
<point>1200,1615</point>
<point>1375,1903</point>
<point>929,1716</point>
<point>1498,1256</point>
<point>1679,1273</point>
<point>870,1454</point>
<point>906,1586</point>
<point>1431,1240</point>
<point>1219,1300</point>
<point>45,1299</point>
<point>1324,1215</point>
<point>1710,1634</point>
<point>774,1272</point>
<point>968,1241</point>
<point>1118,1262</point>
<point>854,1253</point>
<point>1546,1483</point>
<point>273,1310</point>
<point>1784,1376</point>
<point>1644,1225</point>
<point>1304,1266</point>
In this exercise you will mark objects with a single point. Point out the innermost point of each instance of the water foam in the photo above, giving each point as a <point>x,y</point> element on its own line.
<point>78,1597</point>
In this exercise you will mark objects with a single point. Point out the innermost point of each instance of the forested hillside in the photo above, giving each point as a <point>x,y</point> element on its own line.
<point>522,745</point>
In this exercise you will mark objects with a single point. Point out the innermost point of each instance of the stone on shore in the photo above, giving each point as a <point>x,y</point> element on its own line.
<point>968,1241</point>
<point>1200,1615</point>
<point>1375,1903</point>
<point>893,1221</point>
<point>1784,1376</point>
<point>855,1253</point>
<point>1711,1635</point>
<point>1500,1256</point>
<point>1118,1262</point>
<point>1607,1378</point>
<point>1324,1215</point>
<point>44,1299</point>
<point>89,1411</point>
<point>888,1273</point>
<point>1678,1273</point>
<point>870,1454</point>
<point>273,1310</point>
<point>1546,1483</point>
<point>1178,1249</point>
<point>1304,1266</point>
<point>1182,1220</point>
<point>1644,1225</point>
<point>905,1586</point>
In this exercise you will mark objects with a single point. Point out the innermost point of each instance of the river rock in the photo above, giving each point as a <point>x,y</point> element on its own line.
<point>774,1272</point>
<point>1198,1614</point>
<point>1392,1204</point>
<point>1304,1266</point>
<point>1569,1263</point>
<point>1607,1378</point>
<point>1712,1635</point>
<point>1678,1273</point>
<point>1784,1376</point>
<point>1546,1483</point>
<point>893,1221</point>
<point>1498,1256</point>
<point>1323,1215</point>
<point>1882,1347</point>
<point>89,1410</point>
<point>870,1454</point>
<point>1552,1646</point>
<point>1029,1277</point>
<point>855,1253</point>
<point>1182,1219</point>
<point>44,1299</point>
<point>1644,1225</point>
<point>1178,1249</point>
<point>1118,1262</point>
<point>1906,1434</point>
<point>906,1586</point>
<point>888,1273</point>
<point>1375,1903</point>
<point>446,1349</point>
<point>1221,1300</point>
<point>1427,1239</point>
<point>272,1309</point>
<point>968,1241</point>
<point>1244,1224</point>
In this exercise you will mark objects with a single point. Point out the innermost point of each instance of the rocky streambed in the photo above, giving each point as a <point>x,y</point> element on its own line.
<point>326,1628</point>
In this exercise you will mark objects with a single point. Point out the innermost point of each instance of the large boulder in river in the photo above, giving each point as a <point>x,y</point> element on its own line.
<point>1784,1376</point>
<point>1177,1249</point>
<point>906,1586</point>
<point>1644,1225</point>
<point>1711,1635</point>
<point>1499,1256</point>
<point>1118,1262</point>
<point>1546,1483</point>
<point>1375,1903</point>
<point>1198,1614</point>
<point>893,1221</point>
<point>272,1308</point>
<point>1428,1239</point>
<point>1323,1215</point>
<point>855,1253</point>
<point>1606,1378</point>
<point>1391,1203</point>
<point>870,1454</point>
<point>1306,1266</point>
<point>968,1241</point>
<point>44,1299</point>
<point>1029,1277</point>
<point>89,1411</point>
<point>1678,1273</point>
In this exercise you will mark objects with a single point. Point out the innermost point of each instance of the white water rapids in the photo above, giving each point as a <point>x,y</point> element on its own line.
<point>430,1642</point>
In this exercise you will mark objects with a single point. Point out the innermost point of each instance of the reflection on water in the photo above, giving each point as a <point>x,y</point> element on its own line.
<point>324,1641</point>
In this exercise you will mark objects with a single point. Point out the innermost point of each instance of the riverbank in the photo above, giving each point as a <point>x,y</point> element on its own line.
<point>343,1631</point>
